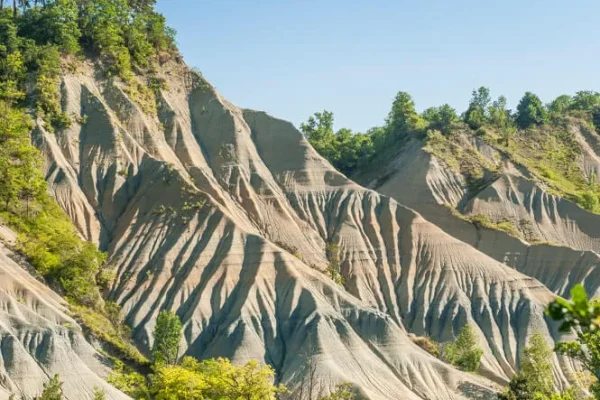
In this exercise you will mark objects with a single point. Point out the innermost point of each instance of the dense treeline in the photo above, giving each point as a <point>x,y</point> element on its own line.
<point>513,132</point>
<point>39,40</point>
<point>126,35</point>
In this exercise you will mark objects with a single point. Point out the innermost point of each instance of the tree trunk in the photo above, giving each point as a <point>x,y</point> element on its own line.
<point>1,4</point>
<point>15,8</point>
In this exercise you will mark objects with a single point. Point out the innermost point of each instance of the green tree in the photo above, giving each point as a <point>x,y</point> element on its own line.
<point>537,366</point>
<point>477,114</point>
<point>55,23</point>
<point>167,335</point>
<point>596,118</point>
<point>318,130</point>
<point>441,118</point>
<point>561,104</point>
<point>52,389</point>
<point>353,150</point>
<point>464,352</point>
<point>213,379</point>
<point>585,100</point>
<point>9,40</point>
<point>530,111</point>
<point>582,317</point>
<point>499,115</point>
<point>12,71</point>
<point>403,118</point>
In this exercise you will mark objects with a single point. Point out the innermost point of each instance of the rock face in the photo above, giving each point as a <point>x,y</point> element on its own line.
<point>223,216</point>
<point>39,339</point>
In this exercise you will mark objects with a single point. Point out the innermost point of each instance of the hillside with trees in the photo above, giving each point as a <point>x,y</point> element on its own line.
<point>158,238</point>
<point>517,134</point>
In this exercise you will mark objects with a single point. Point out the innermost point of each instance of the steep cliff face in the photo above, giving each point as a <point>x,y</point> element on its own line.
<point>38,339</point>
<point>223,215</point>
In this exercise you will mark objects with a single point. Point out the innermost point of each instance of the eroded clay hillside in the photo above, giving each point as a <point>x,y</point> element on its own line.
<point>39,338</point>
<point>511,213</point>
<point>223,215</point>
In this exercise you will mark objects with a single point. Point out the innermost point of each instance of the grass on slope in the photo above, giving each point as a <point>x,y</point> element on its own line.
<point>483,221</point>
<point>102,328</point>
<point>74,268</point>
<point>550,152</point>
<point>461,156</point>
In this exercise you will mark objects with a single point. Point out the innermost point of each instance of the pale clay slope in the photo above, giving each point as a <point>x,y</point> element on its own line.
<point>39,339</point>
<point>194,208</point>
<point>428,185</point>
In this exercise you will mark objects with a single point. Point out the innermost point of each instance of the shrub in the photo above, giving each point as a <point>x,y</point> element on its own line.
<point>52,389</point>
<point>427,344</point>
<point>590,201</point>
<point>333,269</point>
<point>463,352</point>
<point>342,392</point>
<point>99,394</point>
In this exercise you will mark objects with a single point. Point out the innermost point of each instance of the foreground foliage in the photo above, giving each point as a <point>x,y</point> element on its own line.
<point>581,316</point>
<point>535,378</point>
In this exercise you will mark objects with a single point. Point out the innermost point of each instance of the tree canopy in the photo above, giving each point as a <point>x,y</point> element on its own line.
<point>167,334</point>
<point>464,351</point>
<point>530,111</point>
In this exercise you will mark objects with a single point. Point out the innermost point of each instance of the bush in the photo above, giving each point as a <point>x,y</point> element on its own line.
<point>427,344</point>
<point>463,352</point>
<point>52,389</point>
<point>99,394</point>
<point>52,245</point>
<point>590,201</point>
<point>342,392</point>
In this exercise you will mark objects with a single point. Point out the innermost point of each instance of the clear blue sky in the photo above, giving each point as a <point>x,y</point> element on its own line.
<point>294,57</point>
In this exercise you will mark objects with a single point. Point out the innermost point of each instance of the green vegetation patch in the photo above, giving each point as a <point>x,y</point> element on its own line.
<point>539,137</point>
<point>461,156</point>
<point>551,153</point>
<point>113,333</point>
